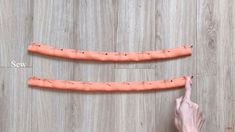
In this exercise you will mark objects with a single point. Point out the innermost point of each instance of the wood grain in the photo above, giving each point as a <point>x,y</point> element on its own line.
<point>215,48</point>
<point>15,100</point>
<point>53,23</point>
<point>115,25</point>
<point>15,31</point>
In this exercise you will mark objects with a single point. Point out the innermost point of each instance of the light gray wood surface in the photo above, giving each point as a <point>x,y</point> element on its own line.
<point>115,25</point>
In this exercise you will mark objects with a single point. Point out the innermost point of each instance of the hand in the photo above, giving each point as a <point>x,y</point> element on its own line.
<point>188,117</point>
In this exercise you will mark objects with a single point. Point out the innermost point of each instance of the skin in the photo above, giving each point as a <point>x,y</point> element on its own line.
<point>188,117</point>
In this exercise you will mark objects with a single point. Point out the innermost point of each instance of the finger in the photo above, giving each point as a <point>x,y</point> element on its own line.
<point>188,88</point>
<point>202,122</point>
<point>195,106</point>
<point>178,102</point>
<point>199,117</point>
<point>177,123</point>
<point>196,114</point>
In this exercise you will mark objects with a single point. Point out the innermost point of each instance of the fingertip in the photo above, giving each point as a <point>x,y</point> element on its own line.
<point>188,81</point>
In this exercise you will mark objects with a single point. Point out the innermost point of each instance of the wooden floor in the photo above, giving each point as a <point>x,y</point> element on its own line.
<point>115,25</point>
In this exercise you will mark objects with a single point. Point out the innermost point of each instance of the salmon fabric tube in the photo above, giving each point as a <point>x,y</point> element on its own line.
<point>107,86</point>
<point>110,56</point>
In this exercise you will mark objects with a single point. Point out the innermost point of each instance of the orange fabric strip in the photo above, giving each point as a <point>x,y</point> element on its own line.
<point>110,56</point>
<point>107,86</point>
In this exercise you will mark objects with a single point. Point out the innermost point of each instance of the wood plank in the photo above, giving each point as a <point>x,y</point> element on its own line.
<point>15,100</point>
<point>135,29</point>
<point>95,29</point>
<point>16,18</point>
<point>215,63</point>
<point>135,111</point>
<point>53,24</point>
<point>209,100</point>
<point>225,60</point>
